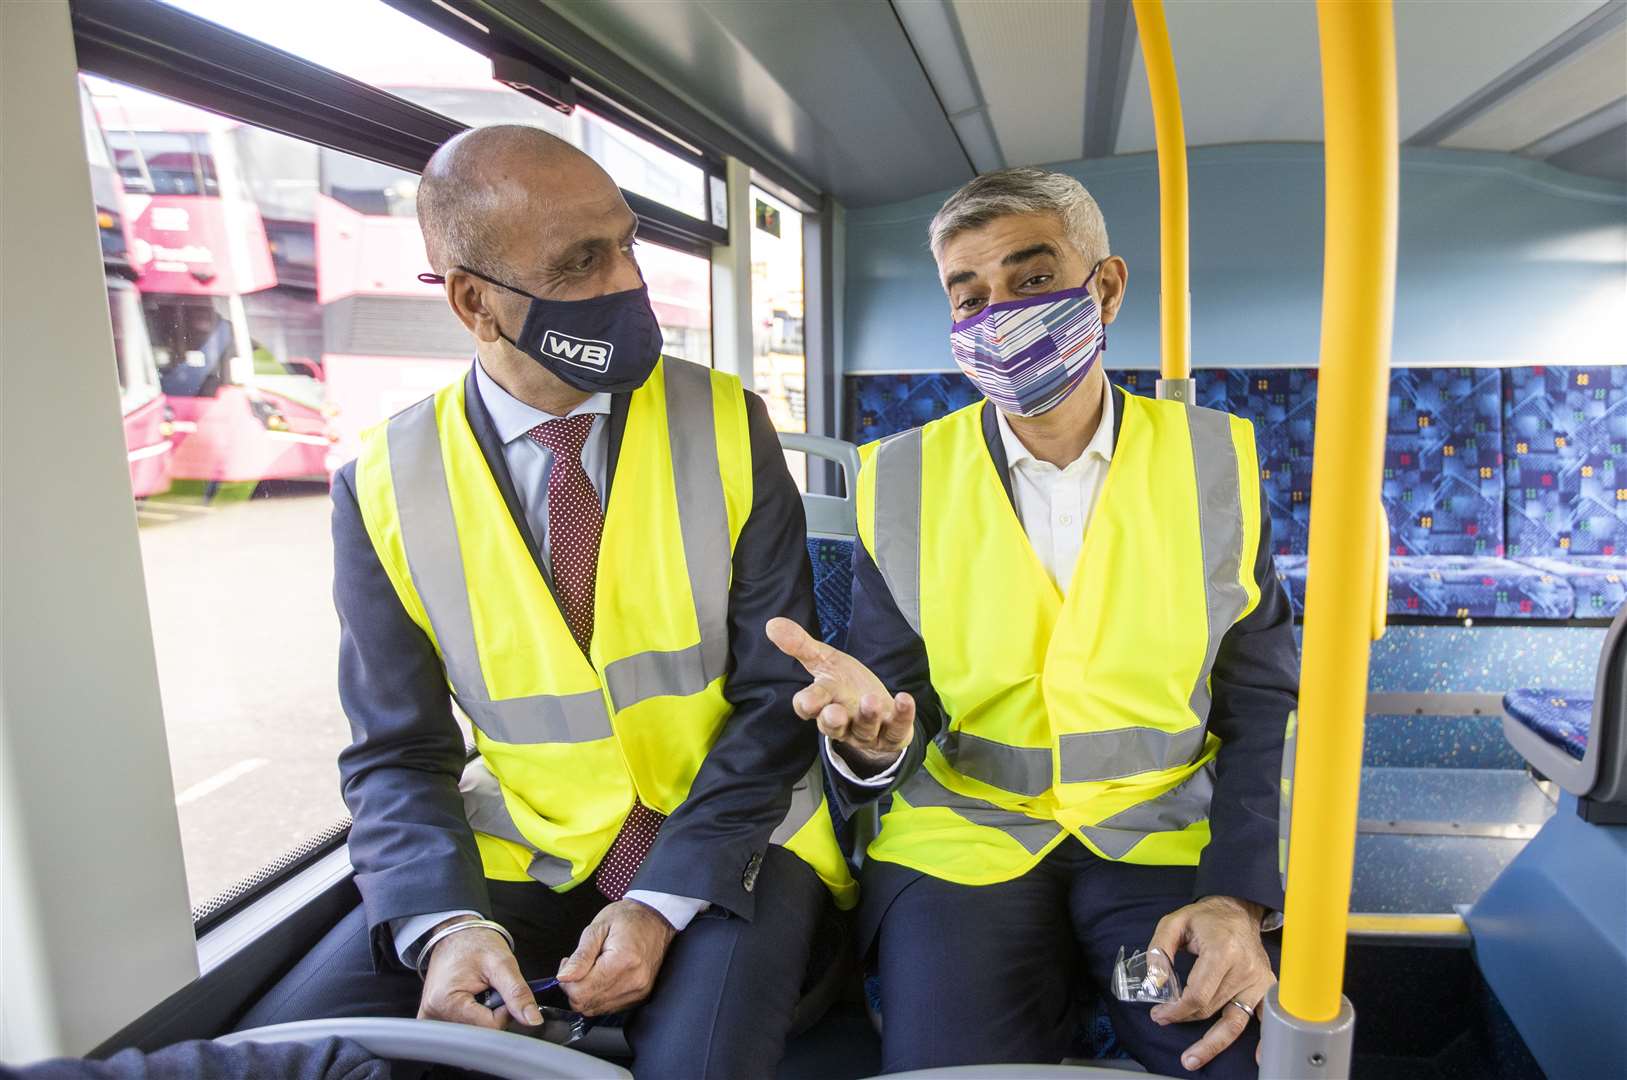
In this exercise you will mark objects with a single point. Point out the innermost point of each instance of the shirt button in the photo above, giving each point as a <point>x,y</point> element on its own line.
<point>1065,519</point>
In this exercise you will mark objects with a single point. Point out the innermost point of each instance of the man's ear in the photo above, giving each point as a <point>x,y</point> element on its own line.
<point>468,296</point>
<point>1113,277</point>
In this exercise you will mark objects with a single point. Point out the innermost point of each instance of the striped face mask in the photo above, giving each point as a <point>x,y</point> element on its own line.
<point>1028,355</point>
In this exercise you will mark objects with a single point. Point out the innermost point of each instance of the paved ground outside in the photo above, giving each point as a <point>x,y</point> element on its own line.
<point>247,643</point>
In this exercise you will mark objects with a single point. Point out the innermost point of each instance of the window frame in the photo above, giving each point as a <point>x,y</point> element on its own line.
<point>153,46</point>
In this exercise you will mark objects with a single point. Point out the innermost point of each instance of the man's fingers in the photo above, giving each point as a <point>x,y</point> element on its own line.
<point>579,963</point>
<point>874,711</point>
<point>460,1007</point>
<point>900,726</point>
<point>797,643</point>
<point>1170,934</point>
<point>502,973</point>
<point>834,722</point>
<point>1230,1024</point>
<point>810,699</point>
<point>1202,994</point>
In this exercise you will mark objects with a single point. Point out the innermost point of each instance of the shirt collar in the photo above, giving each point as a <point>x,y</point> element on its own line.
<point>513,418</point>
<point>1100,444</point>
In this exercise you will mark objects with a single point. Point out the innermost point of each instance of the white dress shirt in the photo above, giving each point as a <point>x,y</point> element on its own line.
<point>1054,506</point>
<point>529,463</point>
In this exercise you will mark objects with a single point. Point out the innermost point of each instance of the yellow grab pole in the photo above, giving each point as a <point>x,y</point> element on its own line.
<point>1175,295</point>
<point>1358,302</point>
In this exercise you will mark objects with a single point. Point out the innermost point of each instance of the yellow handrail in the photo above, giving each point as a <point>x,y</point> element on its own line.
<point>1175,295</point>
<point>1358,302</point>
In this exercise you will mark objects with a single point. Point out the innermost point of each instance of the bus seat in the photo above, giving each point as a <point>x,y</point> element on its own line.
<point>1578,738</point>
<point>503,1054</point>
<point>1549,934</point>
<point>833,527</point>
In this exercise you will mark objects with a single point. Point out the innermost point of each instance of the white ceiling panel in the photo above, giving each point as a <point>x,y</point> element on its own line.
<point>1251,70</point>
<point>1248,71</point>
<point>1446,50</point>
<point>1030,58</point>
<point>1584,83</point>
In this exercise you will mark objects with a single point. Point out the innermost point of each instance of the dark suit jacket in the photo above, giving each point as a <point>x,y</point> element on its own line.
<point>1255,684</point>
<point>412,848</point>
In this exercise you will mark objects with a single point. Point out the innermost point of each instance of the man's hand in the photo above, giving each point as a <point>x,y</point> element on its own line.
<point>1232,965</point>
<point>616,962</point>
<point>469,963</point>
<point>846,700</point>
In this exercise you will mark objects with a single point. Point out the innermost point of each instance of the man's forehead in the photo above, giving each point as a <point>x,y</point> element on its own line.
<point>1009,239</point>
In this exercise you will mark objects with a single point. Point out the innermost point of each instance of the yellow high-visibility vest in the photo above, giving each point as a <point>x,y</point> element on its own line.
<point>1084,713</point>
<point>566,741</point>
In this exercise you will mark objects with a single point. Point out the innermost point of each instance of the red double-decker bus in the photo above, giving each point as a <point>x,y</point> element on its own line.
<point>200,250</point>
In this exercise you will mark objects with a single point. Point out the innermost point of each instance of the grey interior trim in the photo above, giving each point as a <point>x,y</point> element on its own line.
<point>1494,830</point>
<point>935,37</point>
<point>494,1053</point>
<point>1107,74</point>
<point>1604,155</point>
<point>1428,704</point>
<point>829,515</point>
<point>1543,60</point>
<point>1597,122</point>
<point>226,941</point>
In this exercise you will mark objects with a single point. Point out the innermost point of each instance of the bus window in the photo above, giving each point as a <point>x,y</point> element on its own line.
<point>371,41</point>
<point>780,361</point>
<point>278,282</point>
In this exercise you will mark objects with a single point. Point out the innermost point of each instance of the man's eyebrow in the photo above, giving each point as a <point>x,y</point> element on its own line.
<point>1029,252</point>
<point>959,277</point>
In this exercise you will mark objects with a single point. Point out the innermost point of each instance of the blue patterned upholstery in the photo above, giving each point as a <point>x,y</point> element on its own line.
<point>1282,404</point>
<point>1599,582</point>
<point>1291,572</point>
<point>882,405</point>
<point>1443,481</point>
<point>833,586</point>
<point>1463,587</point>
<point>1565,445</point>
<point>1562,717</point>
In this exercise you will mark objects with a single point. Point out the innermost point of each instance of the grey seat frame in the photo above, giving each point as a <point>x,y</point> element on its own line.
<point>1601,775</point>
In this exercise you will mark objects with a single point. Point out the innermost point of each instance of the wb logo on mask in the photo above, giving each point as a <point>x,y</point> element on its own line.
<point>581,352</point>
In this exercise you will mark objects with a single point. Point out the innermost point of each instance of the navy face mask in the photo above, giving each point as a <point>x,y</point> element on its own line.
<point>602,345</point>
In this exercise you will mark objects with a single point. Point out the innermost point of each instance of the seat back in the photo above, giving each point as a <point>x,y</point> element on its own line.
<point>832,530</point>
<point>1607,741</point>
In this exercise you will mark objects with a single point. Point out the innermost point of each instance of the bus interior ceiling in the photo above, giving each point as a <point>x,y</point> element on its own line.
<point>261,283</point>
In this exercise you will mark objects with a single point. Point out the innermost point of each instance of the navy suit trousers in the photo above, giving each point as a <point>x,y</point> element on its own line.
<point>722,1005</point>
<point>994,973</point>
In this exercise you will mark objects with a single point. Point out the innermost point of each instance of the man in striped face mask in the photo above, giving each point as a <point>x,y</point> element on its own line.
<point>1070,668</point>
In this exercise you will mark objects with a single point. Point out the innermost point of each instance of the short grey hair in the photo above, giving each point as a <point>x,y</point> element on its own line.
<point>1023,191</point>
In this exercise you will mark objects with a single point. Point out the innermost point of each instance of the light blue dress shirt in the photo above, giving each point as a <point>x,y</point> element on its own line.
<point>529,463</point>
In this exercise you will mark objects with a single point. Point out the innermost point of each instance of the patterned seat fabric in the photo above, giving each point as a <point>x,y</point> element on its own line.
<point>833,586</point>
<point>1282,404</point>
<point>1464,587</point>
<point>1561,717</point>
<point>1443,482</point>
<point>1291,572</point>
<point>1565,444</point>
<point>1599,582</point>
<point>882,405</point>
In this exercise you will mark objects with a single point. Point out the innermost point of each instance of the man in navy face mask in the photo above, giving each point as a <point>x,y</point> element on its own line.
<point>1071,670</point>
<point>581,541</point>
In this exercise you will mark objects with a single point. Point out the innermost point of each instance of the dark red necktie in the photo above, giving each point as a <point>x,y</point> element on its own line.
<point>575,527</point>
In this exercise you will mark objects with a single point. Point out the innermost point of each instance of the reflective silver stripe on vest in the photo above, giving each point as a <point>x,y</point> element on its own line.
<point>1120,752</point>
<point>1285,801</point>
<point>703,520</point>
<point>923,789</point>
<point>897,525</point>
<point>487,812</point>
<point>806,798</point>
<point>1024,770</point>
<point>1220,530</point>
<point>1172,811</point>
<point>430,536</point>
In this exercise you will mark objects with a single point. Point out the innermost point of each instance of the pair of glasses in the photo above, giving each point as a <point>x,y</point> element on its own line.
<point>491,999</point>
